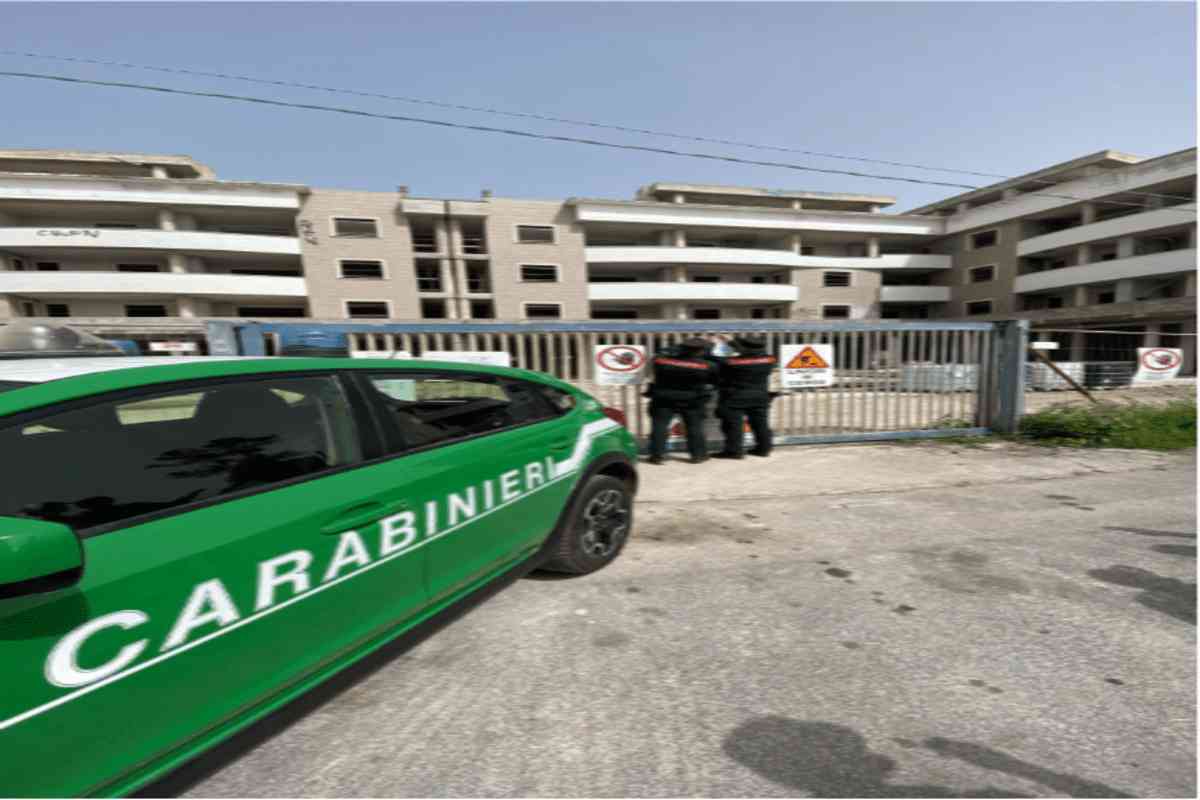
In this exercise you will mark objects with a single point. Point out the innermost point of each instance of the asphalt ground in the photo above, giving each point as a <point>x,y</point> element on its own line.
<point>926,620</point>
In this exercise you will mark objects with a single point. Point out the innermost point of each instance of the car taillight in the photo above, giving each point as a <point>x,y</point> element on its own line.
<point>616,414</point>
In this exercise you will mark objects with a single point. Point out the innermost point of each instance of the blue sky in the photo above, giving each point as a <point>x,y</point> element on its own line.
<point>993,87</point>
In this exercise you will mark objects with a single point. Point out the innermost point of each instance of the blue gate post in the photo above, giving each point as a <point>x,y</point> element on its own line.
<point>1012,340</point>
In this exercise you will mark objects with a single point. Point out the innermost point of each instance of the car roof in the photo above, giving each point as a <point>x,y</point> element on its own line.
<point>56,380</point>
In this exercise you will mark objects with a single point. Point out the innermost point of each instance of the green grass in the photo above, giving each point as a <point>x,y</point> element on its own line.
<point>1140,427</point>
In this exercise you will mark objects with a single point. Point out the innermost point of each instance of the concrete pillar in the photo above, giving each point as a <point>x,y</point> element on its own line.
<point>441,235</point>
<point>8,307</point>
<point>159,172</point>
<point>873,247</point>
<point>1078,347</point>
<point>1125,247</point>
<point>1079,296</point>
<point>177,262</point>
<point>797,243</point>
<point>666,238</point>
<point>797,205</point>
<point>1191,237</point>
<point>680,238</point>
<point>166,219</point>
<point>678,198</point>
<point>1151,337</point>
<point>876,209</point>
<point>455,239</point>
<point>679,273</point>
<point>1125,291</point>
<point>1188,344</point>
<point>1083,255</point>
<point>1089,213</point>
<point>1189,284</point>
<point>187,306</point>
<point>447,275</point>
<point>682,312</point>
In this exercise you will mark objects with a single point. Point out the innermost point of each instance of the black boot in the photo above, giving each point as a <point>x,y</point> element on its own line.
<point>655,460</point>
<point>760,452</point>
<point>727,454</point>
<point>699,459</point>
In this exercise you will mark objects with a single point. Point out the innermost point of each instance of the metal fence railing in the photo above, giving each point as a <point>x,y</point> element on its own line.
<point>891,379</point>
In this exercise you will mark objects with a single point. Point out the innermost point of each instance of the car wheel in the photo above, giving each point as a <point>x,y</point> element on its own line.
<point>596,528</point>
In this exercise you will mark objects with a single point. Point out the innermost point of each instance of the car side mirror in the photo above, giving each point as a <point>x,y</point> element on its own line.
<point>37,556</point>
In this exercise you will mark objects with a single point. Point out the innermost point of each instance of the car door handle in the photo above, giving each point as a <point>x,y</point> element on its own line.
<point>361,514</point>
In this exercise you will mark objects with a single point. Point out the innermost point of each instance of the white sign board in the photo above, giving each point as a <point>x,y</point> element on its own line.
<point>174,347</point>
<point>396,354</point>
<point>619,364</point>
<point>806,365</point>
<point>1157,364</point>
<point>488,358</point>
<point>1044,345</point>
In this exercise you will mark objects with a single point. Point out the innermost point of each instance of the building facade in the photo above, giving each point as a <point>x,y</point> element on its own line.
<point>138,243</point>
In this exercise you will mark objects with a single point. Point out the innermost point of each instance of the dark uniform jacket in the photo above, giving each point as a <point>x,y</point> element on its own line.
<point>744,379</point>
<point>682,380</point>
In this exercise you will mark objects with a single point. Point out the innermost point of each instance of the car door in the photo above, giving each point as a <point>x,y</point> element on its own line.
<point>483,451</point>
<point>233,548</point>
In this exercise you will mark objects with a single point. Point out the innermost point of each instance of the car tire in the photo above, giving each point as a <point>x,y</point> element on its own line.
<point>596,528</point>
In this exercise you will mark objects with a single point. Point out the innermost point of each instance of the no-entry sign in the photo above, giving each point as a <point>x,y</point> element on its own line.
<point>619,364</point>
<point>1157,364</point>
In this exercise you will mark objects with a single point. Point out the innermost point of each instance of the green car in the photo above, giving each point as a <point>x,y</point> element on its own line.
<point>188,546</point>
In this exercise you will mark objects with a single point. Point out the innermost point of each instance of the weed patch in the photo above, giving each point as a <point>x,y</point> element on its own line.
<point>1140,427</point>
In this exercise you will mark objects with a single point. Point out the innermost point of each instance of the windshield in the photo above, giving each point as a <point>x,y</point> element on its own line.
<point>6,385</point>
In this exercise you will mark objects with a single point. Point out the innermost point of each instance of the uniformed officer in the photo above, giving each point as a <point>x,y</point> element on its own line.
<point>683,378</point>
<point>744,396</point>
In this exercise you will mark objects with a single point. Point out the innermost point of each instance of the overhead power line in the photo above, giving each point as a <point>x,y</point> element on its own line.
<point>525,134</point>
<point>547,118</point>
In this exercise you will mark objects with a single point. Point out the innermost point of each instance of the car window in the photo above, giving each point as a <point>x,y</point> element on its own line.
<point>116,460</point>
<point>424,409</point>
<point>6,385</point>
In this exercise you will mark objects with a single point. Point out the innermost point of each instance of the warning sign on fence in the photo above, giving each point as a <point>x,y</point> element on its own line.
<point>1157,364</point>
<point>619,364</point>
<point>806,365</point>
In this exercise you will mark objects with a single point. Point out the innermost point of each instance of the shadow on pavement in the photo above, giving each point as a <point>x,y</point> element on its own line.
<point>1171,596</point>
<point>824,759</point>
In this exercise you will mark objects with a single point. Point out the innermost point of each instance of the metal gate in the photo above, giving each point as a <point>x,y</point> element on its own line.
<point>892,380</point>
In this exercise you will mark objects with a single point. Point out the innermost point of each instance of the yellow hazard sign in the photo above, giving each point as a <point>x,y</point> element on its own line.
<point>807,358</point>
<point>806,365</point>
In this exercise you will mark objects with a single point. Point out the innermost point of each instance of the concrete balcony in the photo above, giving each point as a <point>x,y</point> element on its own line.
<point>1108,229</point>
<point>1127,179</point>
<point>914,294</point>
<point>635,291</point>
<point>1168,263</point>
<point>737,256</point>
<point>159,284</point>
<point>197,242</point>
<point>150,190</point>
<point>685,215</point>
